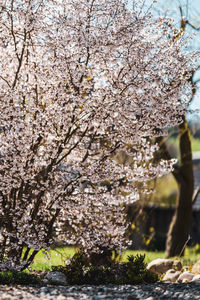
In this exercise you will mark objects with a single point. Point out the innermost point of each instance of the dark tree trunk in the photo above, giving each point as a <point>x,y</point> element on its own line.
<point>178,231</point>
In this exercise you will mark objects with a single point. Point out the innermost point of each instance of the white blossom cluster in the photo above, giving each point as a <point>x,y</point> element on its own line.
<point>80,80</point>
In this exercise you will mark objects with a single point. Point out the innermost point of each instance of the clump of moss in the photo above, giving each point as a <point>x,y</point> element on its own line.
<point>80,271</point>
<point>17,277</point>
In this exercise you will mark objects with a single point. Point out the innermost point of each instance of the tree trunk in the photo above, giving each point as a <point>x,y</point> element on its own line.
<point>178,231</point>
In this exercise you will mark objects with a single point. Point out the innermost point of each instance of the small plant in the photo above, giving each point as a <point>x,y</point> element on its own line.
<point>15,277</point>
<point>76,268</point>
<point>80,270</point>
<point>136,271</point>
<point>136,268</point>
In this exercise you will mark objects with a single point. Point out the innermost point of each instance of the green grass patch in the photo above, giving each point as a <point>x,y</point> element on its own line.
<point>190,257</point>
<point>58,256</point>
<point>55,257</point>
<point>149,255</point>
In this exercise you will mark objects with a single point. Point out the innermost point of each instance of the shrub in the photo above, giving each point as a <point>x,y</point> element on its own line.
<point>80,271</point>
<point>15,277</point>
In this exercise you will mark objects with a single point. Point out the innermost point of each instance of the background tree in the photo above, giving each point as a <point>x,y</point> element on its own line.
<point>183,172</point>
<point>79,81</point>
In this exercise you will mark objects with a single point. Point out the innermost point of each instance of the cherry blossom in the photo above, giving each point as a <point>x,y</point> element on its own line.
<point>81,80</point>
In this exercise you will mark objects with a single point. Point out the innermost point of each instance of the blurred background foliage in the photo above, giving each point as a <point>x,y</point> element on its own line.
<point>166,187</point>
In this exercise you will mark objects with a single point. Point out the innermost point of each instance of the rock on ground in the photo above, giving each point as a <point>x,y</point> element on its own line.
<point>185,277</point>
<point>160,265</point>
<point>171,275</point>
<point>196,278</point>
<point>196,268</point>
<point>56,277</point>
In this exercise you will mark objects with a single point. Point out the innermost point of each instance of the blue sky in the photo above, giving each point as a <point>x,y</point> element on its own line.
<point>191,11</point>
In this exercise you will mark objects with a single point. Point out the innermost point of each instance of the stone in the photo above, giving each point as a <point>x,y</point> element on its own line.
<point>57,278</point>
<point>185,280</point>
<point>171,275</point>
<point>196,268</point>
<point>160,266</point>
<point>185,277</point>
<point>196,278</point>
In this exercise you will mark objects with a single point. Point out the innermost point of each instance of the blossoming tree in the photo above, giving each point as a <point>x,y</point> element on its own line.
<point>80,80</point>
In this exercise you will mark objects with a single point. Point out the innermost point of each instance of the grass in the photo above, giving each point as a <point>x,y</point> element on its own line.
<point>190,257</point>
<point>58,257</point>
<point>149,255</point>
<point>55,257</point>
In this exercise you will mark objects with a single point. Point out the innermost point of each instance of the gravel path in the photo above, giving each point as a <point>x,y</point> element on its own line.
<point>190,291</point>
